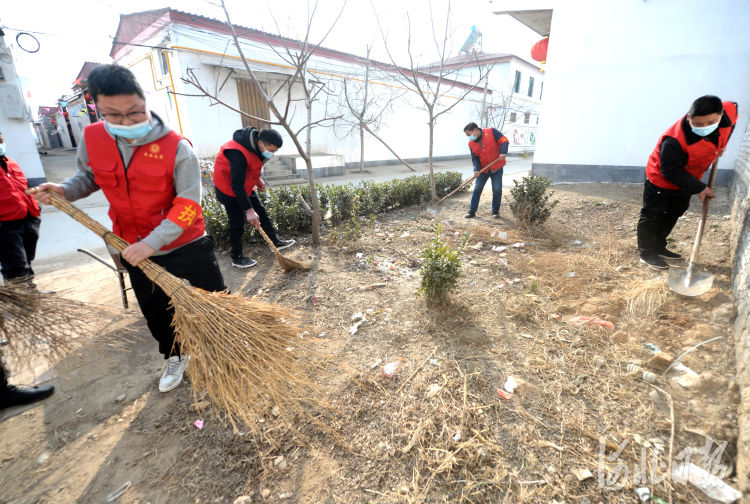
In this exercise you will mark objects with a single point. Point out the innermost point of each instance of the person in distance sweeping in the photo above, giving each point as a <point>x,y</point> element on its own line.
<point>237,174</point>
<point>486,145</point>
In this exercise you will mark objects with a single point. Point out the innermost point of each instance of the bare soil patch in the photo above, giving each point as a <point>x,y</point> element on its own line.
<point>437,430</point>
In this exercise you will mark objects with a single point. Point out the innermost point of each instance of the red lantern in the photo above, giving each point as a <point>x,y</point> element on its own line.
<point>539,50</point>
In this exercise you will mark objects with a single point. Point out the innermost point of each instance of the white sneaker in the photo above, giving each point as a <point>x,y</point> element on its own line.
<point>172,375</point>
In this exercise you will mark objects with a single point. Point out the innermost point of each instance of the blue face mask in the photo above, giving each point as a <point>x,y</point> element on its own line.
<point>134,131</point>
<point>473,138</point>
<point>267,154</point>
<point>2,149</point>
<point>705,130</point>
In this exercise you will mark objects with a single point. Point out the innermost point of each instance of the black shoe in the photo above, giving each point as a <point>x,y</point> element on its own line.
<point>243,262</point>
<point>496,215</point>
<point>282,244</point>
<point>470,214</point>
<point>654,261</point>
<point>668,254</point>
<point>16,395</point>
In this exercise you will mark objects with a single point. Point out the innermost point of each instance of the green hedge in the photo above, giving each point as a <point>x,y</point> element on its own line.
<point>338,203</point>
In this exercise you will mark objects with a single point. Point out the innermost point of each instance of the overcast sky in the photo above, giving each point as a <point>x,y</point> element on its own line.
<point>71,33</point>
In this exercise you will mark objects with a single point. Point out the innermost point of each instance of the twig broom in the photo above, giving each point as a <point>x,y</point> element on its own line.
<point>286,263</point>
<point>241,350</point>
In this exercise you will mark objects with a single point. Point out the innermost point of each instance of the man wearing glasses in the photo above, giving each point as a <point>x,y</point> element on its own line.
<point>151,178</point>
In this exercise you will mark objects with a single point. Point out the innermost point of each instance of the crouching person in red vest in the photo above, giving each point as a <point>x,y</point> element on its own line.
<point>151,178</point>
<point>19,222</point>
<point>19,232</point>
<point>674,171</point>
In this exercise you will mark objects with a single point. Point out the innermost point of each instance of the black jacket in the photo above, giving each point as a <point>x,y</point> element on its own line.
<point>248,138</point>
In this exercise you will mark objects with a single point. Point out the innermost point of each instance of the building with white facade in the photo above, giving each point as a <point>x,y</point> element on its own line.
<point>15,119</point>
<point>618,74</point>
<point>164,47</point>
<point>515,90</point>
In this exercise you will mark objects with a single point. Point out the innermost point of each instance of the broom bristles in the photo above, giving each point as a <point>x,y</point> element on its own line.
<point>240,349</point>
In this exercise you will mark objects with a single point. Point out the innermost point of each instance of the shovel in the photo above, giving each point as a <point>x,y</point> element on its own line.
<point>433,209</point>
<point>688,281</point>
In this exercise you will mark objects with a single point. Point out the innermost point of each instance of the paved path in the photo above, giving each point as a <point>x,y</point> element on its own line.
<point>61,236</point>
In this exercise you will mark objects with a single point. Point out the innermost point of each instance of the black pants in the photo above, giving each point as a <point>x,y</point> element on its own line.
<point>237,220</point>
<point>18,247</point>
<point>661,209</point>
<point>3,374</point>
<point>196,263</point>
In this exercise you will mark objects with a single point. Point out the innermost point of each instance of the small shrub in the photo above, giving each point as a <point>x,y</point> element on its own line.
<point>531,203</point>
<point>441,268</point>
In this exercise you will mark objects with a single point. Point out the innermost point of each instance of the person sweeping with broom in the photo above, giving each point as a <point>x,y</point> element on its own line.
<point>486,146</point>
<point>237,173</point>
<point>151,178</point>
<point>674,171</point>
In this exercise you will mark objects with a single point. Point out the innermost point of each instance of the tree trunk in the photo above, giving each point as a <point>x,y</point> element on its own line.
<point>308,162</point>
<point>432,173</point>
<point>361,148</point>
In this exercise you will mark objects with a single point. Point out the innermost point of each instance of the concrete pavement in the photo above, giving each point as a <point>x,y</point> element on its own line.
<point>61,236</point>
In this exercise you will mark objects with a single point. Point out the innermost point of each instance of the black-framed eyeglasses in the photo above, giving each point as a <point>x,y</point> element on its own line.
<point>136,116</point>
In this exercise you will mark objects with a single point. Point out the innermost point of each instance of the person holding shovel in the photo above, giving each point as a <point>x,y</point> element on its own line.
<point>151,178</point>
<point>237,173</point>
<point>488,147</point>
<point>674,171</point>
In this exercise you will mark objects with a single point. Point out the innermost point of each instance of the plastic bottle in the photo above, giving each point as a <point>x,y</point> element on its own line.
<point>709,484</point>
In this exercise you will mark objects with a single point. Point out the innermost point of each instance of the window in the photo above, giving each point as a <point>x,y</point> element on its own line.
<point>163,64</point>
<point>526,118</point>
<point>512,117</point>
<point>537,119</point>
<point>531,86</point>
<point>517,83</point>
<point>541,89</point>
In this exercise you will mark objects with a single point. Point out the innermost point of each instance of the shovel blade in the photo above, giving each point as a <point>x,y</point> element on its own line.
<point>700,283</point>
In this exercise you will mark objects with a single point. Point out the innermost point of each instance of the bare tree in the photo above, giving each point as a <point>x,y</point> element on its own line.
<point>297,55</point>
<point>433,87</point>
<point>366,108</point>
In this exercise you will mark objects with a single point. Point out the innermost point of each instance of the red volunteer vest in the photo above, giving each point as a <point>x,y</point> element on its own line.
<point>14,202</point>
<point>143,196</point>
<point>700,154</point>
<point>489,150</point>
<point>222,172</point>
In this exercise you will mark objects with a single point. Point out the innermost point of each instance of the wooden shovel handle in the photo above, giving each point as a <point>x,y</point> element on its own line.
<point>701,226</point>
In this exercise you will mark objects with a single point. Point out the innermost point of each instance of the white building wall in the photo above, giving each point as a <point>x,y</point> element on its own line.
<point>15,121</point>
<point>618,74</point>
<point>209,126</point>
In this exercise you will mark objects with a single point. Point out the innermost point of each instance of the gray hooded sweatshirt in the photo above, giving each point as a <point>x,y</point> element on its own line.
<point>187,179</point>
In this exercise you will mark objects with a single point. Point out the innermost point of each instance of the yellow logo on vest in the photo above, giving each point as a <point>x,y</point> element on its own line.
<point>188,214</point>
<point>153,152</point>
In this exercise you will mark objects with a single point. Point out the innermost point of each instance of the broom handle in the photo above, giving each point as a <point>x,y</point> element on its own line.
<point>454,191</point>
<point>268,240</point>
<point>701,225</point>
<point>168,282</point>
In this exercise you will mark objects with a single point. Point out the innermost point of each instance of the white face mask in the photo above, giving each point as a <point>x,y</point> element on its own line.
<point>2,149</point>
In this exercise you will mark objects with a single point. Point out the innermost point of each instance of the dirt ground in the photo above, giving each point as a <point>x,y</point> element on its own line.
<point>438,430</point>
